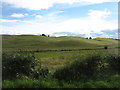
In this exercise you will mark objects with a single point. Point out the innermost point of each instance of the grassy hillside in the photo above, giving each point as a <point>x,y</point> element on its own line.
<point>33,42</point>
<point>27,70</point>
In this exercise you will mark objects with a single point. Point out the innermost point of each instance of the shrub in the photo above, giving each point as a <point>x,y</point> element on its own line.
<point>90,37</point>
<point>79,70</point>
<point>105,47</point>
<point>43,35</point>
<point>40,73</point>
<point>114,63</point>
<point>91,67</point>
<point>15,64</point>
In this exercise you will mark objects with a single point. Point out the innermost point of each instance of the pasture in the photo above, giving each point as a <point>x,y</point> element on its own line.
<point>66,69</point>
<point>34,42</point>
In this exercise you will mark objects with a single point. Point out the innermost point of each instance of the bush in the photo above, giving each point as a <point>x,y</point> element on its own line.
<point>114,63</point>
<point>90,67</point>
<point>79,70</point>
<point>40,73</point>
<point>105,47</point>
<point>90,37</point>
<point>17,64</point>
<point>43,35</point>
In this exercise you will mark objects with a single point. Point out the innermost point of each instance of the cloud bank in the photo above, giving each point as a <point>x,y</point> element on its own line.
<point>46,4</point>
<point>18,15</point>
<point>94,23</point>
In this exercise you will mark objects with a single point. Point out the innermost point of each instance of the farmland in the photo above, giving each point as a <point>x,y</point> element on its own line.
<point>34,42</point>
<point>62,66</point>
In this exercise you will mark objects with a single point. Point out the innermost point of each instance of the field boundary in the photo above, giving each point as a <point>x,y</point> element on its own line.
<point>64,50</point>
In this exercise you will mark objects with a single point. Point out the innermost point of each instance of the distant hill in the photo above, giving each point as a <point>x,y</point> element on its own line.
<point>34,42</point>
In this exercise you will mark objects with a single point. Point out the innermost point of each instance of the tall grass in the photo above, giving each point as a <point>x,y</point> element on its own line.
<point>87,70</point>
<point>111,82</point>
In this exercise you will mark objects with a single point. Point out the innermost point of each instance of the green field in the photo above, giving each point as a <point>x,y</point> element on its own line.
<point>55,60</point>
<point>58,62</point>
<point>34,42</point>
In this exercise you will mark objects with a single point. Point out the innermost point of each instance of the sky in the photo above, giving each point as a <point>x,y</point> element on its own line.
<point>84,18</point>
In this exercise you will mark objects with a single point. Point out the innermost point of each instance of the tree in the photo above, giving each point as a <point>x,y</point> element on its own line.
<point>90,37</point>
<point>105,47</point>
<point>43,35</point>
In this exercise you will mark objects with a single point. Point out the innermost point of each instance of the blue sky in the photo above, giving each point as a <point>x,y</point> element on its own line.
<point>95,18</point>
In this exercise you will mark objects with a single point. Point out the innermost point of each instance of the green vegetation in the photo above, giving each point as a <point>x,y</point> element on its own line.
<point>111,82</point>
<point>15,64</point>
<point>20,65</point>
<point>55,60</point>
<point>33,42</point>
<point>93,71</point>
<point>74,69</point>
<point>93,66</point>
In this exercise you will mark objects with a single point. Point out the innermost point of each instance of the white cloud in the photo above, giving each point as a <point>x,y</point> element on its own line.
<point>54,13</point>
<point>13,21</point>
<point>45,4</point>
<point>26,21</point>
<point>6,20</point>
<point>38,16</point>
<point>57,35</point>
<point>31,4</point>
<point>95,22</point>
<point>18,15</point>
<point>60,12</point>
<point>95,14</point>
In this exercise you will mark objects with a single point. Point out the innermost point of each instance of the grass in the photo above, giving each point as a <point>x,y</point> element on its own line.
<point>59,60</point>
<point>55,60</point>
<point>63,59</point>
<point>34,42</point>
<point>111,82</point>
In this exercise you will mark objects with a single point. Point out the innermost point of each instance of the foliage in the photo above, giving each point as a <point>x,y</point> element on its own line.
<point>18,65</point>
<point>86,70</point>
<point>91,67</point>
<point>110,82</point>
<point>114,63</point>
<point>115,81</point>
<point>43,35</point>
<point>90,37</point>
<point>40,73</point>
<point>79,70</point>
<point>15,64</point>
<point>105,47</point>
